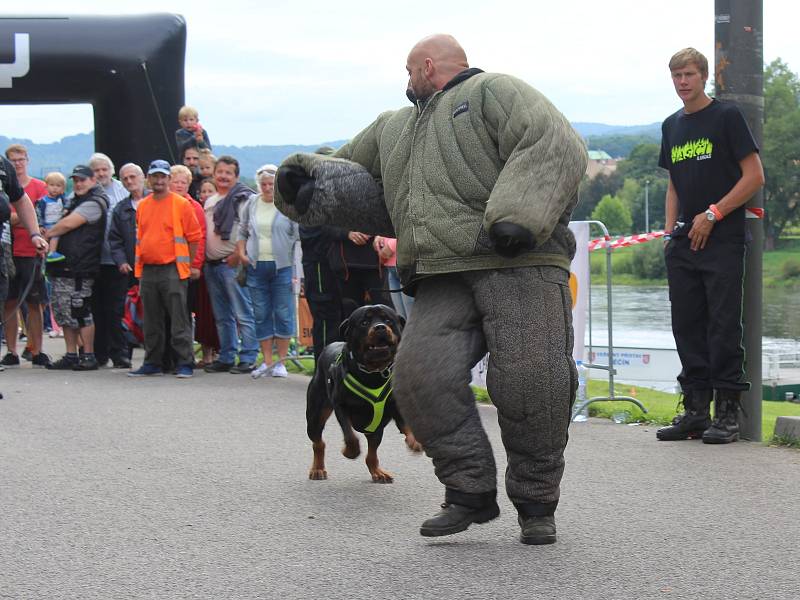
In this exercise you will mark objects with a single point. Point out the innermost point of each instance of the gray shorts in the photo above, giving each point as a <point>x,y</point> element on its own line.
<point>70,301</point>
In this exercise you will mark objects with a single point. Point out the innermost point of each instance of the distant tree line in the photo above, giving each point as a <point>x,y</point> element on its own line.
<point>620,145</point>
<point>781,150</point>
<point>618,198</point>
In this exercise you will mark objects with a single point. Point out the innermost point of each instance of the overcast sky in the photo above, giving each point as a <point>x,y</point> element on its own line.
<point>279,72</point>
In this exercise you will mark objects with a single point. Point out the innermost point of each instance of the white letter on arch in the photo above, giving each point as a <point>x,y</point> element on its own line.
<point>22,60</point>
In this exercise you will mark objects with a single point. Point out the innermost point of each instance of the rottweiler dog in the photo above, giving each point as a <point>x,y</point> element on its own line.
<point>353,380</point>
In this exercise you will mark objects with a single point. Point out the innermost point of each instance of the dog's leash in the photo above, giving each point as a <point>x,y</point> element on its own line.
<point>38,267</point>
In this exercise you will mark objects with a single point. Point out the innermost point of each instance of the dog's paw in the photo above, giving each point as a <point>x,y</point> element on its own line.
<point>351,450</point>
<point>317,474</point>
<point>381,476</point>
<point>412,443</point>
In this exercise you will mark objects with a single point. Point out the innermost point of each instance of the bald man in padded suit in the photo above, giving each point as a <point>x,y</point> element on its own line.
<point>480,177</point>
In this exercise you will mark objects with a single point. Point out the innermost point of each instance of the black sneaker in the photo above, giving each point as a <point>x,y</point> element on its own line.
<point>122,363</point>
<point>457,517</point>
<point>537,530</point>
<point>87,362</point>
<point>65,363</point>
<point>242,367</point>
<point>41,360</point>
<point>10,360</point>
<point>218,367</point>
<point>27,355</point>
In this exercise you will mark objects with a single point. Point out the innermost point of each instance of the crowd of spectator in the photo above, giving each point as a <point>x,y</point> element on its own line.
<point>210,261</point>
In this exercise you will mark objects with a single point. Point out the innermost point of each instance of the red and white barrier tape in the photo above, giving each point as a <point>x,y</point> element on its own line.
<point>754,213</point>
<point>628,240</point>
<point>641,238</point>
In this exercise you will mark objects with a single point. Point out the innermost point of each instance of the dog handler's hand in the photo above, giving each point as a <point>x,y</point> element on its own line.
<point>232,260</point>
<point>39,243</point>
<point>358,238</point>
<point>701,229</point>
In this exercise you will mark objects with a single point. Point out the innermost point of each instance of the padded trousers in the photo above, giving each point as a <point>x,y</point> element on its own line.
<point>523,318</point>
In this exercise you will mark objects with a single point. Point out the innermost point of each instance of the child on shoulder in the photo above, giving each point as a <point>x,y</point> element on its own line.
<point>190,128</point>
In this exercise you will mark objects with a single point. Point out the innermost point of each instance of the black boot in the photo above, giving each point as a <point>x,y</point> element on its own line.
<point>537,522</point>
<point>459,511</point>
<point>693,422</point>
<point>725,427</point>
<point>537,530</point>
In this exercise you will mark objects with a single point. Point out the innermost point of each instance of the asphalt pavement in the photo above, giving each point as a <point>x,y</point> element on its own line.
<point>113,487</point>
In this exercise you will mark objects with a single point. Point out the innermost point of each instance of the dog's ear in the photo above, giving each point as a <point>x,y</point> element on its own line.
<point>344,329</point>
<point>349,306</point>
<point>402,320</point>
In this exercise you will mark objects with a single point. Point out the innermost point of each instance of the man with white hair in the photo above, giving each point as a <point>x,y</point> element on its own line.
<point>110,286</point>
<point>122,242</point>
<point>122,234</point>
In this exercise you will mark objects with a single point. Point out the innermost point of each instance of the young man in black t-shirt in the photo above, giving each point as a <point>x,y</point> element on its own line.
<point>714,169</point>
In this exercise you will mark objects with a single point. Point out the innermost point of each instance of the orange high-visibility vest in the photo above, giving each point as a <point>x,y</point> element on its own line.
<point>182,258</point>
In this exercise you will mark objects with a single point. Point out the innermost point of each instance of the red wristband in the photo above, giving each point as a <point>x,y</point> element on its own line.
<point>717,213</point>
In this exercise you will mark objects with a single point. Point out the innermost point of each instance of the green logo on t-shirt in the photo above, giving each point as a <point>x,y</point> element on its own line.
<point>700,149</point>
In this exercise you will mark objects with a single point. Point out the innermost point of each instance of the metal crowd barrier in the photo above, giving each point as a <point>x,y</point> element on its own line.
<point>612,397</point>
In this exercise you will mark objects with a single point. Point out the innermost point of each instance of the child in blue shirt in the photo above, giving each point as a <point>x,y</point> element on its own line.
<point>50,208</point>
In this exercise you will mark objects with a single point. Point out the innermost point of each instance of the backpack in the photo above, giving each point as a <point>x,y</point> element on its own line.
<point>133,318</point>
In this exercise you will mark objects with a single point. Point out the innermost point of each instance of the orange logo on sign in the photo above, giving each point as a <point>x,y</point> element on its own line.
<point>573,288</point>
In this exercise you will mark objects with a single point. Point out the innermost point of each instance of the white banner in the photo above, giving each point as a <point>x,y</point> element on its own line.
<point>579,286</point>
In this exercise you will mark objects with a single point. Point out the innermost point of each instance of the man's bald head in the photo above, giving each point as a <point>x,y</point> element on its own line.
<point>433,62</point>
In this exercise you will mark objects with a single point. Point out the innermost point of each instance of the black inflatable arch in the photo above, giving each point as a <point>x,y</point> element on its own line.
<point>130,69</point>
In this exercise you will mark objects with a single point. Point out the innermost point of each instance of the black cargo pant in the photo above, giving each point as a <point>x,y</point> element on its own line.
<point>325,303</point>
<point>705,291</point>
<point>359,282</point>
<point>108,307</point>
<point>523,317</point>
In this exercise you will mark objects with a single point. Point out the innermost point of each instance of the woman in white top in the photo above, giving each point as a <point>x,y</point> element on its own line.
<point>266,248</point>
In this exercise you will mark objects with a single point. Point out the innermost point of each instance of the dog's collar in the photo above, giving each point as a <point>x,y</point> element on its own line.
<point>385,373</point>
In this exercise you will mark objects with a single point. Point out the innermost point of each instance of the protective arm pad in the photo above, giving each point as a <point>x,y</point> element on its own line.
<point>296,187</point>
<point>317,190</point>
<point>510,239</point>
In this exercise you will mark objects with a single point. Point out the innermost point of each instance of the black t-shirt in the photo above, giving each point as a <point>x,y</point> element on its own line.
<point>702,151</point>
<point>10,189</point>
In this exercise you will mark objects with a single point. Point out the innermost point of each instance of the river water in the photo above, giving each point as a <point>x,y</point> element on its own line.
<point>641,319</point>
